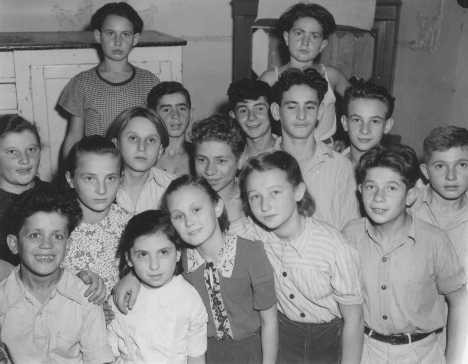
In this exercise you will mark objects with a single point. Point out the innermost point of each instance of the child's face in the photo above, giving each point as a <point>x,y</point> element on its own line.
<point>41,243</point>
<point>193,214</point>
<point>305,40</point>
<point>19,159</point>
<point>95,180</point>
<point>298,111</point>
<point>385,195</point>
<point>447,172</point>
<point>252,116</point>
<point>139,144</point>
<point>273,199</point>
<point>116,37</point>
<point>366,123</point>
<point>154,258</point>
<point>215,161</point>
<point>175,112</point>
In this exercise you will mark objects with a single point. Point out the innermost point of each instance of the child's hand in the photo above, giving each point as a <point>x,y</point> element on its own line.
<point>108,313</point>
<point>96,291</point>
<point>126,292</point>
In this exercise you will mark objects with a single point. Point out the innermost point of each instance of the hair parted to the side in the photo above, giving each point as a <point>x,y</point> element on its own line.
<point>307,10</point>
<point>276,160</point>
<point>14,123</point>
<point>247,89</point>
<point>362,89</point>
<point>293,77</point>
<point>95,144</point>
<point>219,128</point>
<point>443,138</point>
<point>167,88</point>
<point>146,223</point>
<point>203,186</point>
<point>116,8</point>
<point>400,158</point>
<point>121,121</point>
<point>42,198</point>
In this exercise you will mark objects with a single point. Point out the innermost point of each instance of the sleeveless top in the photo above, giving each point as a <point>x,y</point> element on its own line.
<point>327,122</point>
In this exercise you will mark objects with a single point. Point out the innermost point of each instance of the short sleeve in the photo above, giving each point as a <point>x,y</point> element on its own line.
<point>197,332</point>
<point>345,276</point>
<point>261,275</point>
<point>71,99</point>
<point>94,344</point>
<point>450,274</point>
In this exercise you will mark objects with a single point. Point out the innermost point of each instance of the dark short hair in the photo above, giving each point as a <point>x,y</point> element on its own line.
<point>400,158</point>
<point>443,138</point>
<point>121,9</point>
<point>166,88</point>
<point>362,89</point>
<point>42,198</point>
<point>14,123</point>
<point>121,121</point>
<point>204,186</point>
<point>219,128</point>
<point>276,160</point>
<point>89,144</point>
<point>146,223</point>
<point>247,89</point>
<point>294,76</point>
<point>303,10</point>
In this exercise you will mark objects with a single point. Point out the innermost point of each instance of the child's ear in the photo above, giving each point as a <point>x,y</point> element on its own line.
<point>127,258</point>
<point>344,122</point>
<point>299,191</point>
<point>424,171</point>
<point>285,37</point>
<point>323,45</point>
<point>97,36</point>
<point>231,114</point>
<point>115,141</point>
<point>12,242</point>
<point>359,187</point>
<point>69,179</point>
<point>388,125</point>
<point>219,207</point>
<point>136,39</point>
<point>411,196</point>
<point>274,108</point>
<point>178,255</point>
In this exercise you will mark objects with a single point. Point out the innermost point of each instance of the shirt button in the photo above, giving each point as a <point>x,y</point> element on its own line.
<point>302,314</point>
<point>384,259</point>
<point>383,286</point>
<point>285,274</point>
<point>291,296</point>
<point>385,317</point>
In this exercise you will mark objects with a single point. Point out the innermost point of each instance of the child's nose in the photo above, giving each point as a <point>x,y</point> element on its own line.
<point>252,115</point>
<point>451,174</point>
<point>141,145</point>
<point>154,263</point>
<point>265,204</point>
<point>24,158</point>
<point>301,113</point>
<point>45,243</point>
<point>210,168</point>
<point>364,128</point>
<point>101,188</point>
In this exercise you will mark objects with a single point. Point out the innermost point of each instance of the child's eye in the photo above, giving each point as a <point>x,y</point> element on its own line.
<point>242,110</point>
<point>176,217</point>
<point>165,109</point>
<point>12,152</point>
<point>112,178</point>
<point>438,166</point>
<point>133,138</point>
<point>33,150</point>
<point>311,107</point>
<point>34,235</point>
<point>260,109</point>
<point>254,198</point>
<point>108,33</point>
<point>376,121</point>
<point>141,254</point>
<point>297,32</point>
<point>164,251</point>
<point>369,187</point>
<point>152,140</point>
<point>200,159</point>
<point>196,210</point>
<point>275,192</point>
<point>59,236</point>
<point>316,35</point>
<point>355,120</point>
<point>463,165</point>
<point>222,161</point>
<point>183,108</point>
<point>127,35</point>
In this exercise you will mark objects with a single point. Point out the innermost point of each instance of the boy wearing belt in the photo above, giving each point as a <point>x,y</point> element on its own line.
<point>409,268</point>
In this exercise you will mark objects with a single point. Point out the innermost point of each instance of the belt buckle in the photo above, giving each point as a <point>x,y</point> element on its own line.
<point>398,339</point>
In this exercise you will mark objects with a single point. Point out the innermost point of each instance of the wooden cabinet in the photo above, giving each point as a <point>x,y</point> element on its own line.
<point>34,68</point>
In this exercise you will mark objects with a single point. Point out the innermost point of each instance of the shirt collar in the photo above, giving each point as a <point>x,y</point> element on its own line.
<point>370,230</point>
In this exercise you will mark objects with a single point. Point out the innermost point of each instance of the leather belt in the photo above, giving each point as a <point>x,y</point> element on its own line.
<point>399,339</point>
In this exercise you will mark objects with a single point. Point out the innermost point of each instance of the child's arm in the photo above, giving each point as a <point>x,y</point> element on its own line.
<point>456,325</point>
<point>352,337</point>
<point>337,80</point>
<point>75,132</point>
<point>269,334</point>
<point>125,292</point>
<point>96,291</point>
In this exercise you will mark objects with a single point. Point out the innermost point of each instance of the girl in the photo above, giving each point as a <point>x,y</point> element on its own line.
<point>141,137</point>
<point>218,144</point>
<point>305,29</point>
<point>93,171</point>
<point>231,274</point>
<point>168,321</point>
<point>316,274</point>
<point>20,151</point>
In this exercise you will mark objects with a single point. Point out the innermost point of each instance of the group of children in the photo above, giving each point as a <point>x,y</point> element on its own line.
<point>235,245</point>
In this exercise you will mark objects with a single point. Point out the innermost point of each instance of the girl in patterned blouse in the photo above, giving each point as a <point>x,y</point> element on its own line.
<point>231,274</point>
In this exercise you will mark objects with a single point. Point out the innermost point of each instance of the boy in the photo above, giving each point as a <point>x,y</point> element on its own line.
<point>95,97</point>
<point>43,314</point>
<point>409,267</point>
<point>171,102</point>
<point>328,175</point>
<point>249,103</point>
<point>443,201</point>
<point>368,116</point>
